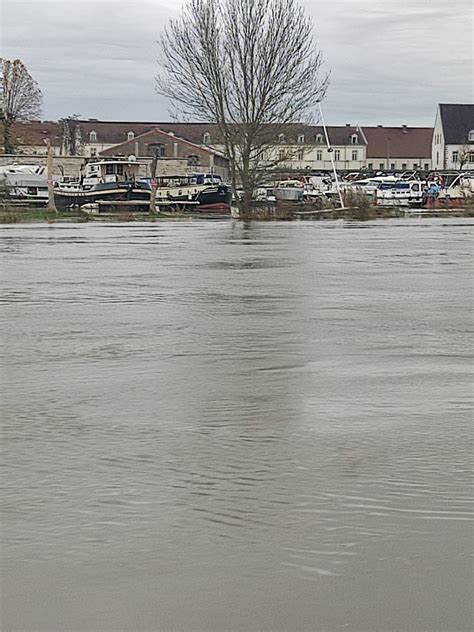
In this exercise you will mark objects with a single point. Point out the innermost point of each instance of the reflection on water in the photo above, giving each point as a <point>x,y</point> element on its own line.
<point>211,426</point>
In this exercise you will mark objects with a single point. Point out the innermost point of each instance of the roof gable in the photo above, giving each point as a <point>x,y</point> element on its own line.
<point>457,120</point>
<point>151,136</point>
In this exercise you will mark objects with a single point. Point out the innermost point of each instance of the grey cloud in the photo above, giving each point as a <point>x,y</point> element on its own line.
<point>391,62</point>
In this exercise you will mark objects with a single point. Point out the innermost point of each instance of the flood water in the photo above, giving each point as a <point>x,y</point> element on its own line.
<point>211,426</point>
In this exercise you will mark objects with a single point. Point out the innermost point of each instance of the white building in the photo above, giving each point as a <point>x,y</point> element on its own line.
<point>453,137</point>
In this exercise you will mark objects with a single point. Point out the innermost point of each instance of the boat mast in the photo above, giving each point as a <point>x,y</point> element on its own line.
<point>330,151</point>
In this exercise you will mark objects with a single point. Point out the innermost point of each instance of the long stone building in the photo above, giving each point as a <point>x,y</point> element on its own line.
<point>299,147</point>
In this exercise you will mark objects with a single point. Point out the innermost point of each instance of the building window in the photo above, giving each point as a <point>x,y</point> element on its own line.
<point>120,170</point>
<point>370,165</point>
<point>281,154</point>
<point>337,155</point>
<point>281,138</point>
<point>404,165</point>
<point>427,166</point>
<point>193,160</point>
<point>415,165</point>
<point>381,165</point>
<point>319,155</point>
<point>301,139</point>
<point>319,138</point>
<point>300,154</point>
<point>392,166</point>
<point>455,156</point>
<point>93,151</point>
<point>354,139</point>
<point>354,155</point>
<point>130,135</point>
<point>157,149</point>
<point>470,136</point>
<point>109,169</point>
<point>93,137</point>
<point>471,156</point>
<point>206,138</point>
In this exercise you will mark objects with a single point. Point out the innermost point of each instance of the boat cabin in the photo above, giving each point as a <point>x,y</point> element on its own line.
<point>107,171</point>
<point>188,180</point>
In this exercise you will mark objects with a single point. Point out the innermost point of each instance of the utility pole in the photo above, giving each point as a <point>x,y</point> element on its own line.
<point>49,171</point>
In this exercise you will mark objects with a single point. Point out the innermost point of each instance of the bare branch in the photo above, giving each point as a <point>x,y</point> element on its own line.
<point>20,97</point>
<point>252,67</point>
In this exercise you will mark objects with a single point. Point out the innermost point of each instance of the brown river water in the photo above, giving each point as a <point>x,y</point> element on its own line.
<point>212,426</point>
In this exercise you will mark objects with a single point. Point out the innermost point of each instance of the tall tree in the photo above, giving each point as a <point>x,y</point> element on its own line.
<point>20,97</point>
<point>252,67</point>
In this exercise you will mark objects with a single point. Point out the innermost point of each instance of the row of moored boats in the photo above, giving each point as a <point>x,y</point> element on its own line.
<point>111,184</point>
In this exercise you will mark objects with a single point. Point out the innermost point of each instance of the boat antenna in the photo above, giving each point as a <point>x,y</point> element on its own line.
<point>330,151</point>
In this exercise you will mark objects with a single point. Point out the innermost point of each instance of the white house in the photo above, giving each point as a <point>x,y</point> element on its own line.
<point>453,137</point>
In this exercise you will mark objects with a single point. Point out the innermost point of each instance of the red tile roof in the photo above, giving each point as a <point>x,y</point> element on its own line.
<point>128,147</point>
<point>398,142</point>
<point>33,133</point>
<point>115,132</point>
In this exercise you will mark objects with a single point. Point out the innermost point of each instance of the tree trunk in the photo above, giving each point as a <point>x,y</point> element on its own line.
<point>7,137</point>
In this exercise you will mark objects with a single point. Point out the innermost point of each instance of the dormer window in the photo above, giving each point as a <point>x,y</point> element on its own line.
<point>470,136</point>
<point>206,138</point>
<point>301,139</point>
<point>130,135</point>
<point>281,138</point>
<point>354,139</point>
<point>93,137</point>
<point>318,138</point>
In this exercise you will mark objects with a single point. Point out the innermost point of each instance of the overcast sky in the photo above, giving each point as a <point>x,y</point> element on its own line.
<point>391,61</point>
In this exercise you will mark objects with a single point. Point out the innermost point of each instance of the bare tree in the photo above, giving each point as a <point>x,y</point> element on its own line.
<point>20,98</point>
<point>252,67</point>
<point>72,136</point>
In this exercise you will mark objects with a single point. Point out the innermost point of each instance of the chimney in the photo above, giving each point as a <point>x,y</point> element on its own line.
<point>379,125</point>
<point>348,124</point>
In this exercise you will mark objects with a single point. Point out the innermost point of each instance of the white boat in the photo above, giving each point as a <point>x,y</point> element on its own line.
<point>402,193</point>
<point>289,190</point>
<point>25,183</point>
<point>367,185</point>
